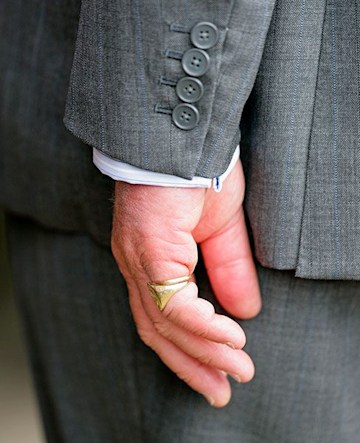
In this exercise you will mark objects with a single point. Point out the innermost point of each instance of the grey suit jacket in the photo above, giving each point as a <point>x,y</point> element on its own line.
<point>298,62</point>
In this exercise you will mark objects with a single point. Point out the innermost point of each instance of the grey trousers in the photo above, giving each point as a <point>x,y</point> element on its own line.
<point>97,382</point>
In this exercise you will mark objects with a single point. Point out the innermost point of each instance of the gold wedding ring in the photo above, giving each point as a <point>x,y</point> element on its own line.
<point>162,291</point>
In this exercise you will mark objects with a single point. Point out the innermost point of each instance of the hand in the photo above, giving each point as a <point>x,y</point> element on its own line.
<point>155,231</point>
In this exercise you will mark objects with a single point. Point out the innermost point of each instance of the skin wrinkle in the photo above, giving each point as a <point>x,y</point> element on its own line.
<point>174,316</point>
<point>160,243</point>
<point>154,346</point>
<point>228,264</point>
<point>143,263</point>
<point>194,306</point>
<point>185,242</point>
<point>202,349</point>
<point>149,265</point>
<point>233,222</point>
<point>212,320</point>
<point>202,331</point>
<point>185,253</point>
<point>186,372</point>
<point>140,200</point>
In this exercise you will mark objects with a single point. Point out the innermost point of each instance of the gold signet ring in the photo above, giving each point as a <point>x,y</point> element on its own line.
<point>162,291</point>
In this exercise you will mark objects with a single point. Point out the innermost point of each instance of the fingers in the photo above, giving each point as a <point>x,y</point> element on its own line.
<point>153,241</point>
<point>197,316</point>
<point>185,309</point>
<point>200,362</point>
<point>232,361</point>
<point>212,353</point>
<point>231,269</point>
<point>188,336</point>
<point>208,381</point>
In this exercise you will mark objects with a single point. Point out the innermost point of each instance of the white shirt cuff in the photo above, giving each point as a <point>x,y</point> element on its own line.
<point>118,170</point>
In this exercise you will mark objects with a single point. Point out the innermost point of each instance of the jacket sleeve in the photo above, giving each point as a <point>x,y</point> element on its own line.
<point>162,85</point>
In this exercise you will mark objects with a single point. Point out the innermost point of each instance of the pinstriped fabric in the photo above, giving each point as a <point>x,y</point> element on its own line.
<point>136,37</point>
<point>77,377</point>
<point>301,145</point>
<point>276,129</point>
<point>240,95</point>
<point>289,154</point>
<point>99,384</point>
<point>300,129</point>
<point>335,145</point>
<point>100,64</point>
<point>140,60</point>
<point>248,41</point>
<point>45,173</point>
<point>357,25</point>
<point>112,92</point>
<point>330,238</point>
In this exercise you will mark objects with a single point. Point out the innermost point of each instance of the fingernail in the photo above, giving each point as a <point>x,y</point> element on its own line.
<point>210,400</point>
<point>236,377</point>
<point>231,345</point>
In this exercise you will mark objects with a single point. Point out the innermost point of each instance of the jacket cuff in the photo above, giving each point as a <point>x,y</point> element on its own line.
<point>133,69</point>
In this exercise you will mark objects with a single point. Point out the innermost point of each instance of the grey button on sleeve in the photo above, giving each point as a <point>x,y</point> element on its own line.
<point>204,35</point>
<point>189,89</point>
<point>195,62</point>
<point>185,116</point>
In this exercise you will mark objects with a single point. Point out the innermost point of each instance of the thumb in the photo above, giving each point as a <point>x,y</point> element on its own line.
<point>231,268</point>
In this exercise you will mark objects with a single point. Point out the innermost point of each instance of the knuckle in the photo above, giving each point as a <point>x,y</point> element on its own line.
<point>198,328</point>
<point>188,257</point>
<point>206,309</point>
<point>144,260</point>
<point>162,328</point>
<point>206,359</point>
<point>114,246</point>
<point>171,314</point>
<point>186,376</point>
<point>201,330</point>
<point>159,253</point>
<point>207,355</point>
<point>146,335</point>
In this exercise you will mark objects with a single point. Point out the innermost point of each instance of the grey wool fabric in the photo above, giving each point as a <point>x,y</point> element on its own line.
<point>301,144</point>
<point>101,66</point>
<point>284,82</point>
<point>115,81</point>
<point>98,383</point>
